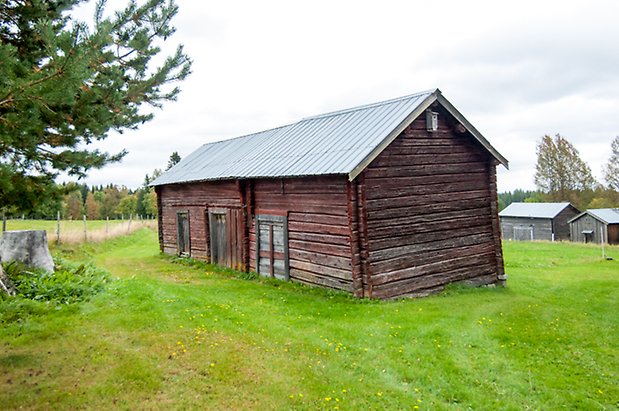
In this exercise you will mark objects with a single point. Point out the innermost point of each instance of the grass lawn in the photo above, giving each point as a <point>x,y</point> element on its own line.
<point>170,335</point>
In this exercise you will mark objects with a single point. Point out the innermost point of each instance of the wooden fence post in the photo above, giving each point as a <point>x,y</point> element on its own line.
<point>85,230</point>
<point>58,227</point>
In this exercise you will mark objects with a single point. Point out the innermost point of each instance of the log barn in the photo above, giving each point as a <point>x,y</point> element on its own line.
<point>537,221</point>
<point>391,199</point>
<point>596,225</point>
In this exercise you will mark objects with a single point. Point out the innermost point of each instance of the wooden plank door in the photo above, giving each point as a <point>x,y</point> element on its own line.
<point>226,237</point>
<point>217,226</point>
<point>182,234</point>
<point>272,246</point>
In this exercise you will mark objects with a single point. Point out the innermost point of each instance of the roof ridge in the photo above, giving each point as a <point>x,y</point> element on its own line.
<point>369,105</point>
<point>328,114</point>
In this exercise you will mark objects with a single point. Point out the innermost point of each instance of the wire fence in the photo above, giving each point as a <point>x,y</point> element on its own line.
<point>80,231</point>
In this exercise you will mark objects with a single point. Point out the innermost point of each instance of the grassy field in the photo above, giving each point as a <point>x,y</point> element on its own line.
<point>72,231</point>
<point>170,335</point>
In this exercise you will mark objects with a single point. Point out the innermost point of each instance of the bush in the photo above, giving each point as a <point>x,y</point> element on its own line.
<point>70,283</point>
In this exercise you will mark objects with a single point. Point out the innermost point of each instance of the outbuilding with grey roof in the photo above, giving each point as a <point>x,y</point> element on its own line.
<point>596,225</point>
<point>537,221</point>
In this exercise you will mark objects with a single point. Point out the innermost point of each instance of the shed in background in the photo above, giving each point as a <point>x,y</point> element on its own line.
<point>596,225</point>
<point>537,221</point>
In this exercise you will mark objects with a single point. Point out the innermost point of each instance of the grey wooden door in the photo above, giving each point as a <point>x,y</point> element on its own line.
<point>182,233</point>
<point>217,224</point>
<point>272,246</point>
<point>523,233</point>
<point>226,237</point>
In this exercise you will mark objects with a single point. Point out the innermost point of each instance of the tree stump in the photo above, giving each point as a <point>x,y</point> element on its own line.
<point>28,246</point>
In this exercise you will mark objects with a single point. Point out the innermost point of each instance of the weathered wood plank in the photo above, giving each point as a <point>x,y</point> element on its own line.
<point>434,280</point>
<point>392,245</point>
<point>435,267</point>
<point>377,184</point>
<point>317,238</point>
<point>453,242</point>
<point>262,199</point>
<point>305,217</point>
<point>311,278</point>
<point>320,247</point>
<point>416,200</point>
<point>378,215</point>
<point>425,170</point>
<point>420,159</point>
<point>409,233</point>
<point>320,270</point>
<point>430,149</point>
<point>398,195</point>
<point>342,263</point>
<point>412,260</point>
<point>318,228</point>
<point>428,216</point>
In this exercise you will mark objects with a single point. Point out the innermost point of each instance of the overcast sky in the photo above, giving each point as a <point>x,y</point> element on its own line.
<point>517,70</point>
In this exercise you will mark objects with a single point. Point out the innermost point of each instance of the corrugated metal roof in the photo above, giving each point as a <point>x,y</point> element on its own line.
<point>340,142</point>
<point>533,210</point>
<point>605,215</point>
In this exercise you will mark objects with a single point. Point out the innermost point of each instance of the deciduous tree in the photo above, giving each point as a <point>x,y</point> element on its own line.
<point>91,207</point>
<point>126,206</point>
<point>560,172</point>
<point>73,205</point>
<point>150,203</point>
<point>611,169</point>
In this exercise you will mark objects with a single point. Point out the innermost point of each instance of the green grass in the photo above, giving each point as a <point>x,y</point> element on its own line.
<point>173,335</point>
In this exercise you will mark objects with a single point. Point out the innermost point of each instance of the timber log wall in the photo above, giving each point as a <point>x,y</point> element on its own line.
<point>430,213</point>
<point>193,198</point>
<point>318,232</point>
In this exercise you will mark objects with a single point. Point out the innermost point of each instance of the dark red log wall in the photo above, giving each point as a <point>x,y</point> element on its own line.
<point>319,243</point>
<point>194,198</point>
<point>431,212</point>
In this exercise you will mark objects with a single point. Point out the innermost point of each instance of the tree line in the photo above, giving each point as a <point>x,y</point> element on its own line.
<point>96,202</point>
<point>561,175</point>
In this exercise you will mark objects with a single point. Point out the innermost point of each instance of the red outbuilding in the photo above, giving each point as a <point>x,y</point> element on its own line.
<point>391,199</point>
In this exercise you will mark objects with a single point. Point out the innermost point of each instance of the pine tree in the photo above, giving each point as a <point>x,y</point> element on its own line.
<point>64,85</point>
<point>174,160</point>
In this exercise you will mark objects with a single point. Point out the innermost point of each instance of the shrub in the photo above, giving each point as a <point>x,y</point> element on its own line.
<point>70,283</point>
